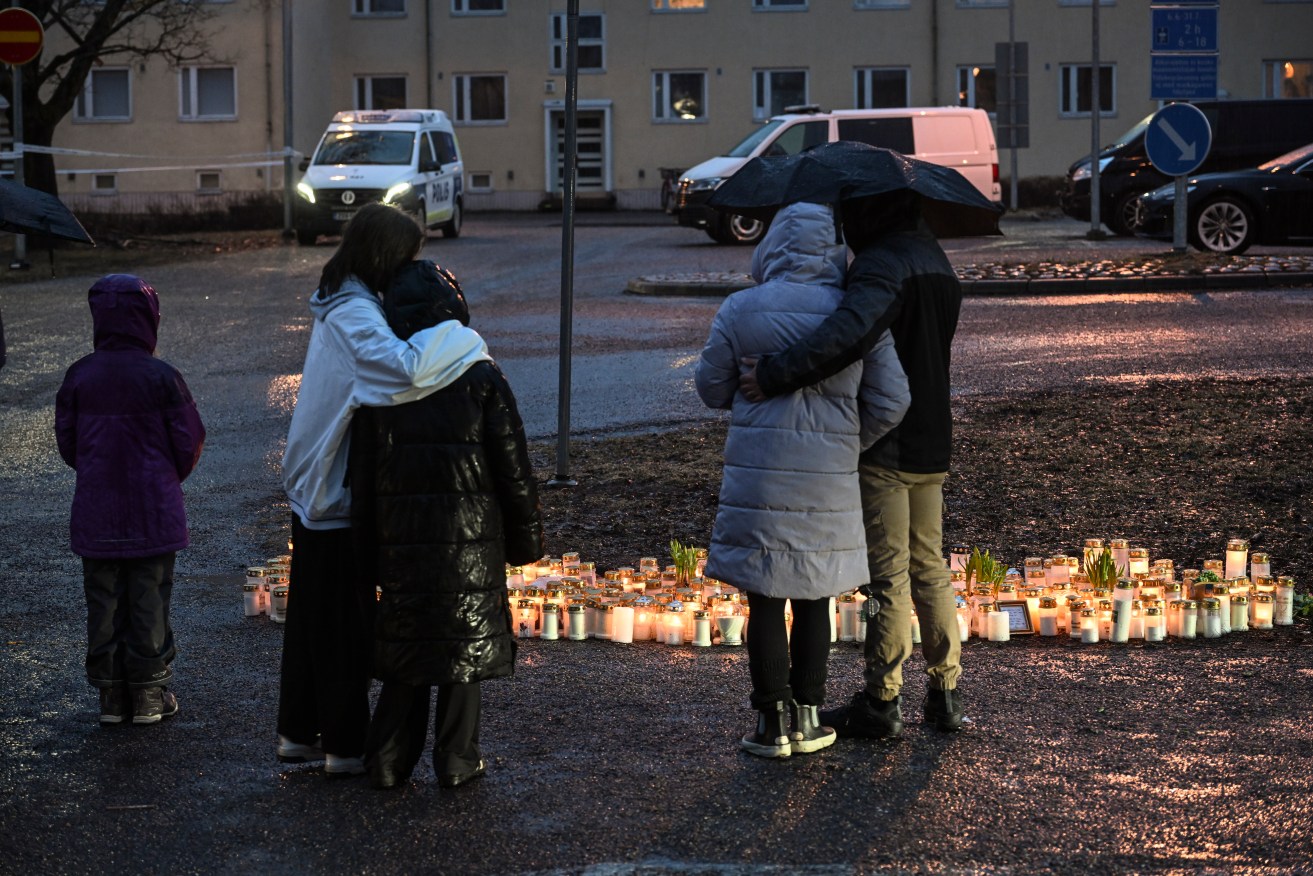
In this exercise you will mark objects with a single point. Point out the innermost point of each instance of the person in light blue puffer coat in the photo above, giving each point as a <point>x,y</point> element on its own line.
<point>789,525</point>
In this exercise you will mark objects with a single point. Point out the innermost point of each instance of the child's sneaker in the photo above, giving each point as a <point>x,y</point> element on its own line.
<point>114,704</point>
<point>151,704</point>
<point>295,752</point>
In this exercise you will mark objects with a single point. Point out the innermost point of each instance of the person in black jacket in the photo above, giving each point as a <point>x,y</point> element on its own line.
<point>900,280</point>
<point>443,496</point>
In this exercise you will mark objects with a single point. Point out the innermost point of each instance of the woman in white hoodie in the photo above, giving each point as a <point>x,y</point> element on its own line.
<point>353,359</point>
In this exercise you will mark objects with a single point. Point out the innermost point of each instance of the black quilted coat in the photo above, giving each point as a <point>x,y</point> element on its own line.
<point>443,496</point>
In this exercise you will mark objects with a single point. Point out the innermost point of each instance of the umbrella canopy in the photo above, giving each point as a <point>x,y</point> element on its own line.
<point>25,210</point>
<point>843,171</point>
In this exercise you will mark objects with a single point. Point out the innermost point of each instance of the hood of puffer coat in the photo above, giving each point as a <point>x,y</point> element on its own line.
<point>125,313</point>
<point>422,295</point>
<point>800,247</point>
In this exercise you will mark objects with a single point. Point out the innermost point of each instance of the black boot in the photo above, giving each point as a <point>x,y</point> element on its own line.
<point>808,734</point>
<point>866,718</point>
<point>943,709</point>
<point>772,736</point>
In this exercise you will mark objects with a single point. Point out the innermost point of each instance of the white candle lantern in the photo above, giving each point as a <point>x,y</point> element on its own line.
<point>1121,620</point>
<point>1029,565</point>
<point>1262,610</point>
<point>963,614</point>
<point>649,564</point>
<point>1057,571</point>
<point>1137,619</point>
<point>958,557</point>
<point>834,620</point>
<point>847,617</point>
<point>1212,618</point>
<point>1093,548</point>
<point>1222,593</point>
<point>1048,616</point>
<point>916,628</point>
<point>622,624</point>
<point>251,601</point>
<point>525,619</point>
<point>643,619</point>
<point>605,621</point>
<point>996,624</point>
<point>699,561</point>
<point>278,609</point>
<point>673,623</point>
<point>1121,555</point>
<point>551,629</point>
<point>588,573</point>
<point>1089,626</point>
<point>1239,613</point>
<point>1137,561</point>
<point>980,625</point>
<point>256,575</point>
<point>1075,606</point>
<point>1189,619</point>
<point>1237,550</point>
<point>577,615</point>
<point>702,628</point>
<point>1105,610</point>
<point>1033,596</point>
<point>1155,625</point>
<point>1260,566</point>
<point>730,624</point>
<point>514,577</point>
<point>1283,604</point>
<point>1174,617</point>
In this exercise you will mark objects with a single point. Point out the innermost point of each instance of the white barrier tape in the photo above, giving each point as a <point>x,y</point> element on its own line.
<point>55,150</point>
<point>176,167</point>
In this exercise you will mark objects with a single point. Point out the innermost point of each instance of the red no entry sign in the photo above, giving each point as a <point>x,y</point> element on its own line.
<point>21,35</point>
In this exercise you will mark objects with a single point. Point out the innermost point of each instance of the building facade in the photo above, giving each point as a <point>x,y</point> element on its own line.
<point>663,84</point>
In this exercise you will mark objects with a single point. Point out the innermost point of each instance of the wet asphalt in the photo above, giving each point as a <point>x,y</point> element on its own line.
<point>605,759</point>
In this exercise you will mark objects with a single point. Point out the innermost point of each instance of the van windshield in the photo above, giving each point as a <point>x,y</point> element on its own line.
<point>1134,133</point>
<point>366,147</point>
<point>750,142</point>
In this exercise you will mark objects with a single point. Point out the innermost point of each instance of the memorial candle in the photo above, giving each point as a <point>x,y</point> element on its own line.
<point>1237,549</point>
<point>1239,613</point>
<point>1089,626</point>
<point>622,624</point>
<point>1262,606</point>
<point>1283,603</point>
<point>1260,566</point>
<point>1189,619</point>
<point>1048,616</point>
<point>702,628</point>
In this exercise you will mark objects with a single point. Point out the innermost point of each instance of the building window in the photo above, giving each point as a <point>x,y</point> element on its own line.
<point>104,183</point>
<point>209,182</point>
<point>592,42</point>
<point>773,90</point>
<point>679,5</point>
<point>1288,78</point>
<point>679,97</point>
<point>107,96</point>
<point>380,92</point>
<point>208,92</point>
<point>479,99</point>
<point>1084,3</point>
<point>881,4</point>
<point>378,7</point>
<point>478,7</point>
<point>1074,94</point>
<point>877,87</point>
<point>779,4</point>
<point>980,4</point>
<point>975,88</point>
<point>478,181</point>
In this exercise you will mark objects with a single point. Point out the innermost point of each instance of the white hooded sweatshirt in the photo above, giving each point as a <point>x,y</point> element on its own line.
<point>354,360</point>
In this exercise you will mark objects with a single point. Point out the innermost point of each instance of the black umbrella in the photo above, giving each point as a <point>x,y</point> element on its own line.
<point>844,171</point>
<point>25,210</point>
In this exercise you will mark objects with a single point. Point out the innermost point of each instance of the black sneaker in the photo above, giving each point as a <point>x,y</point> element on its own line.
<point>771,738</point>
<point>866,718</point>
<point>152,704</point>
<point>943,709</point>
<point>808,734</point>
<point>114,705</point>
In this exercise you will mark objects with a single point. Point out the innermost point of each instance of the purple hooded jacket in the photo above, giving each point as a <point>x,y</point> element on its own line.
<point>125,421</point>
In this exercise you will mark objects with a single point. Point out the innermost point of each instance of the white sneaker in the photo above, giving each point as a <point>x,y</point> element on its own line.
<point>343,766</point>
<point>295,752</point>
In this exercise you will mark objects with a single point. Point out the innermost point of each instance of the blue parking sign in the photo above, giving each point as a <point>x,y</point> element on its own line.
<point>1178,139</point>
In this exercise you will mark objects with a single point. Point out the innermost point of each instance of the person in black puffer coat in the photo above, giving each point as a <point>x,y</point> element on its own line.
<point>443,496</point>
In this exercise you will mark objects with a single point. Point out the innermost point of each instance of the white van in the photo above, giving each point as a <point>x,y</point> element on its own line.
<point>957,137</point>
<point>406,157</point>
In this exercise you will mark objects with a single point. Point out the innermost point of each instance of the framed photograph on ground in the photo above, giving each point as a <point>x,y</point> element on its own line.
<point>1019,620</point>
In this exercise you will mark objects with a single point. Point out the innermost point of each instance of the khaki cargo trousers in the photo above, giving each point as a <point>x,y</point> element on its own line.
<point>904,544</point>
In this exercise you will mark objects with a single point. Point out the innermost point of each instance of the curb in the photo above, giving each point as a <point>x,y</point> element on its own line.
<point>693,286</point>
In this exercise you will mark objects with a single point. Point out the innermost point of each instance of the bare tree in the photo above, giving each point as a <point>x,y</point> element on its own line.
<point>80,35</point>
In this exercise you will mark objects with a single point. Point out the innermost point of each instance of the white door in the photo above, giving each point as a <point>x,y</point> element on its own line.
<point>593,159</point>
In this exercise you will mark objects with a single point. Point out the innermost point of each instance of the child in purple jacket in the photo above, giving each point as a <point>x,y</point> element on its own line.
<point>125,421</point>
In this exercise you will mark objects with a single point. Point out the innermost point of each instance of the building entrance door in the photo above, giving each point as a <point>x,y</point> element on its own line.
<point>593,158</point>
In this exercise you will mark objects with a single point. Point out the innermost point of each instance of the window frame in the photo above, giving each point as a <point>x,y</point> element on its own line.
<point>366,80</point>
<point>460,96</point>
<point>457,9</point>
<point>208,190</point>
<point>188,78</point>
<point>662,112</point>
<point>881,4</point>
<point>663,7</point>
<point>761,108</point>
<point>86,97</point>
<point>1272,77</point>
<point>1070,90</point>
<point>556,45</point>
<point>862,79</point>
<point>360,9</point>
<point>96,189</point>
<point>781,5</point>
<point>971,98</point>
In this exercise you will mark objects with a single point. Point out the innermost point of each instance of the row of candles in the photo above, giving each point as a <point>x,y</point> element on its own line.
<point>265,590</point>
<point>563,598</point>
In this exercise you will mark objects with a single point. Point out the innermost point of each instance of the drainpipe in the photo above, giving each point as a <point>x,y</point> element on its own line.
<point>266,172</point>
<point>428,53</point>
<point>934,53</point>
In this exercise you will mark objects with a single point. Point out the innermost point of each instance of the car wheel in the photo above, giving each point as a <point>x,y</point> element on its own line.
<point>451,228</point>
<point>742,230</point>
<point>421,219</point>
<point>1122,220</point>
<point>1224,225</point>
<point>306,237</point>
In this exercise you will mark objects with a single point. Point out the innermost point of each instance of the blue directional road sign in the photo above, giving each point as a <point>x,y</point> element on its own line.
<point>1178,138</point>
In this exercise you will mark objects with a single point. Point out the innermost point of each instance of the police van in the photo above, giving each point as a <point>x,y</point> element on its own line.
<point>406,157</point>
<point>957,137</point>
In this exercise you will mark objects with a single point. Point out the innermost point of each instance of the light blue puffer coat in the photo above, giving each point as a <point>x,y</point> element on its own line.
<point>790,516</point>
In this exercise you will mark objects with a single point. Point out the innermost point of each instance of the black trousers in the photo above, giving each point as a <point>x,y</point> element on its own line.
<point>785,668</point>
<point>327,644</point>
<point>129,638</point>
<point>400,725</point>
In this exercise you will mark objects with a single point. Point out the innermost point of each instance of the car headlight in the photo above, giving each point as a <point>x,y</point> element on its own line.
<point>1083,171</point>
<point>705,185</point>
<point>304,190</point>
<point>397,192</point>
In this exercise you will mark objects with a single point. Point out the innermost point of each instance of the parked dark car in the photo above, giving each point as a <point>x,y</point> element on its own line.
<point>1231,211</point>
<point>1245,132</point>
